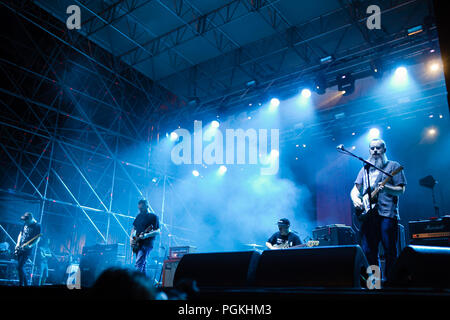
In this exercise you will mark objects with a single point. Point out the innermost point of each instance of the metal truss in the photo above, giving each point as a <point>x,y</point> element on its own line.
<point>70,112</point>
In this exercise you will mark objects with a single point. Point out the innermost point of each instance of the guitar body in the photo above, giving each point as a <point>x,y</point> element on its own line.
<point>137,243</point>
<point>368,208</point>
<point>21,249</point>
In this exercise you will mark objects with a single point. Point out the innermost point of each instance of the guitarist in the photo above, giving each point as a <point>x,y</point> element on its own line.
<point>145,220</point>
<point>30,230</point>
<point>283,238</point>
<point>381,223</point>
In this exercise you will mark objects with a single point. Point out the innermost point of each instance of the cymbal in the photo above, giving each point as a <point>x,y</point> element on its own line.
<point>253,245</point>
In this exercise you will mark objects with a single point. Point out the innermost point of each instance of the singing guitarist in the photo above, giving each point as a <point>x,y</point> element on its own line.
<point>145,229</point>
<point>381,222</point>
<point>31,229</point>
<point>283,238</point>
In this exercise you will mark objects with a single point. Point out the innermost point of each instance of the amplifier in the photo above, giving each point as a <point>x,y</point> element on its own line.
<point>179,252</point>
<point>169,268</point>
<point>95,260</point>
<point>334,235</point>
<point>432,232</point>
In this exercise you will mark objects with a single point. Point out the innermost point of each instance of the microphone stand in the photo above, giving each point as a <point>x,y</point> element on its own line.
<point>367,166</point>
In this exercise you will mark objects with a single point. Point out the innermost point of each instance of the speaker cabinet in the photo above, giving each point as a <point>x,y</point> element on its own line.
<point>223,269</point>
<point>333,266</point>
<point>422,267</point>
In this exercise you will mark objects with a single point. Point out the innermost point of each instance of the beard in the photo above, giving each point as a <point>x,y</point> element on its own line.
<point>379,161</point>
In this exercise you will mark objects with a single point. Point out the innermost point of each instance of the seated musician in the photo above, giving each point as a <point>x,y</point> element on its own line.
<point>283,238</point>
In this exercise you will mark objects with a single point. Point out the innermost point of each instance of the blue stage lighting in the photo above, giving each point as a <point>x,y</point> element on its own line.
<point>215,124</point>
<point>222,170</point>
<point>374,133</point>
<point>195,173</point>
<point>274,103</point>
<point>306,93</point>
<point>173,136</point>
<point>400,76</point>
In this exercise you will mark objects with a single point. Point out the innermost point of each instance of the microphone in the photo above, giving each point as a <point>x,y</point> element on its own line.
<point>340,147</point>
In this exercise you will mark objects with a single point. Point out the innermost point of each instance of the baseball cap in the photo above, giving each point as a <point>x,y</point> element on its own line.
<point>284,222</point>
<point>27,216</point>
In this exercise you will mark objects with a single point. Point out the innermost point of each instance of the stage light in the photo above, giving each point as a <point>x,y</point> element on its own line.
<point>195,173</point>
<point>173,136</point>
<point>346,83</point>
<point>215,124</point>
<point>400,76</point>
<point>326,59</point>
<point>274,103</point>
<point>376,68</point>
<point>374,133</point>
<point>415,30</point>
<point>274,153</point>
<point>431,132</point>
<point>251,83</point>
<point>306,93</point>
<point>222,170</point>
<point>434,66</point>
<point>320,84</point>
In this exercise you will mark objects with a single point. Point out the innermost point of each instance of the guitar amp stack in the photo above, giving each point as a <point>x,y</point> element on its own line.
<point>431,232</point>
<point>170,265</point>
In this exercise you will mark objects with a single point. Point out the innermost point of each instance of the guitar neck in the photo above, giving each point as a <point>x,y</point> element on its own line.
<point>385,181</point>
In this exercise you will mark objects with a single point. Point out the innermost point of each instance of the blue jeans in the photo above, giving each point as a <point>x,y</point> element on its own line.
<point>21,261</point>
<point>375,229</point>
<point>141,258</point>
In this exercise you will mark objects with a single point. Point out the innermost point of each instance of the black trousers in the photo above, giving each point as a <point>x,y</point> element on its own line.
<point>21,261</point>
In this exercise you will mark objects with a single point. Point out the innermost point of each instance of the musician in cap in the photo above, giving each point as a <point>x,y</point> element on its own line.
<point>28,238</point>
<point>380,223</point>
<point>284,238</point>
<point>145,229</point>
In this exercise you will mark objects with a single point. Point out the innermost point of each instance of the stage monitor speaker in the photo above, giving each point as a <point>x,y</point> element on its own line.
<point>222,269</point>
<point>422,267</point>
<point>333,266</point>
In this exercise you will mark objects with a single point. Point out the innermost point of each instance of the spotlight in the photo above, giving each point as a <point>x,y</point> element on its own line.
<point>374,133</point>
<point>320,84</point>
<point>173,136</point>
<point>215,124</point>
<point>222,170</point>
<point>376,69</point>
<point>415,30</point>
<point>431,132</point>
<point>434,66</point>
<point>306,93</point>
<point>274,103</point>
<point>400,76</point>
<point>274,153</point>
<point>326,59</point>
<point>346,83</point>
<point>195,173</point>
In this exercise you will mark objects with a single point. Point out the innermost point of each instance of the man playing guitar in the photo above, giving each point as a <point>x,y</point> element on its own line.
<point>283,238</point>
<point>381,222</point>
<point>28,238</point>
<point>145,229</point>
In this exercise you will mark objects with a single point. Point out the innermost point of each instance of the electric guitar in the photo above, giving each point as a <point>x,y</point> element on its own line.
<point>362,213</point>
<point>19,249</point>
<point>136,242</point>
<point>285,245</point>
